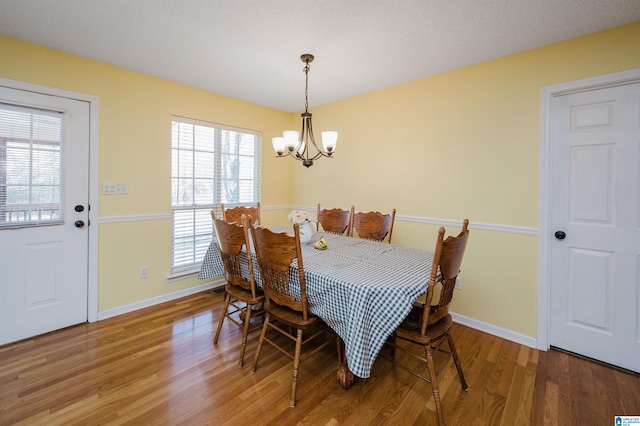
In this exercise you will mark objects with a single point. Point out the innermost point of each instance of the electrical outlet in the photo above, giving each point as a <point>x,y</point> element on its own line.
<point>459,282</point>
<point>144,272</point>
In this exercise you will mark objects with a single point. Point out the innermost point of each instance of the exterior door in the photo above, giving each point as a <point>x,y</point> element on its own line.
<point>595,252</point>
<point>44,192</point>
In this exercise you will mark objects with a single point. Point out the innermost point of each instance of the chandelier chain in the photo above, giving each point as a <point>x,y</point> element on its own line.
<point>306,86</point>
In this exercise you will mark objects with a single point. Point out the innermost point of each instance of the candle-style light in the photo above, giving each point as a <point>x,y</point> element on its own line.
<point>291,143</point>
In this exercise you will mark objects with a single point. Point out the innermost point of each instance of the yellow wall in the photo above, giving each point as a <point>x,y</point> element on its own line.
<point>460,144</point>
<point>135,147</point>
<point>464,143</point>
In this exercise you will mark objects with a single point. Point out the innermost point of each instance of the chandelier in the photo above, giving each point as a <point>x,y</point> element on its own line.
<point>298,145</point>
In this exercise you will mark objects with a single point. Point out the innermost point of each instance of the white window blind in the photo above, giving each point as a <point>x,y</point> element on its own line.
<point>31,180</point>
<point>210,164</point>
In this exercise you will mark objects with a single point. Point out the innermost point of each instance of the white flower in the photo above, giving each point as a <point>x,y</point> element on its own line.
<point>299,216</point>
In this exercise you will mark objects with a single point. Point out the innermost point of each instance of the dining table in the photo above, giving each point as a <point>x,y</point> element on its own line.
<point>362,289</point>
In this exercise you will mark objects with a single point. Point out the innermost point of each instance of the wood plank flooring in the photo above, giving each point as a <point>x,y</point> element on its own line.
<point>158,366</point>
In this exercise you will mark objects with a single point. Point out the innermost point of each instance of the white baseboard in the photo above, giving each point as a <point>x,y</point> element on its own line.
<point>460,319</point>
<point>109,313</point>
<point>495,330</point>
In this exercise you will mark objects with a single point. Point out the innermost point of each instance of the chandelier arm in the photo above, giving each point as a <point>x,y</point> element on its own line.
<point>302,149</point>
<point>313,141</point>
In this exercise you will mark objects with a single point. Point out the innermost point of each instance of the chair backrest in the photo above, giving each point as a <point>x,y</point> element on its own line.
<point>275,253</point>
<point>447,259</point>
<point>334,220</point>
<point>231,240</point>
<point>372,225</point>
<point>234,214</point>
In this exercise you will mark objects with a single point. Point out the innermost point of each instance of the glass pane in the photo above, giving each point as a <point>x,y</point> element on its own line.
<point>46,167</point>
<point>204,163</point>
<point>247,168</point>
<point>182,136</point>
<point>229,142</point>
<point>45,195</point>
<point>203,192</point>
<point>230,191</point>
<point>31,173</point>
<point>246,191</point>
<point>204,138</point>
<point>184,166</point>
<point>210,165</point>
<point>247,145</point>
<point>184,193</point>
<point>193,231</point>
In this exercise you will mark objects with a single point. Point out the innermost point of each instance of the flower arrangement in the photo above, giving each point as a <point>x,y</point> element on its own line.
<point>300,216</point>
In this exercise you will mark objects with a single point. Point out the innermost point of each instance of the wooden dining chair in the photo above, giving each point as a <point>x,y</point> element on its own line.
<point>429,324</point>
<point>242,293</point>
<point>234,214</point>
<point>372,225</point>
<point>334,220</point>
<point>275,253</point>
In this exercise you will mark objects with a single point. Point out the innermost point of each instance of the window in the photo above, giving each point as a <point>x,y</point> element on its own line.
<point>30,166</point>
<point>210,164</point>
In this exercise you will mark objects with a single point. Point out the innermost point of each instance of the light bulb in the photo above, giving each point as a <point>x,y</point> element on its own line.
<point>278,145</point>
<point>329,140</point>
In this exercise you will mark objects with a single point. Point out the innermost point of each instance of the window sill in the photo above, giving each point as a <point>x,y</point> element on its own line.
<point>183,275</point>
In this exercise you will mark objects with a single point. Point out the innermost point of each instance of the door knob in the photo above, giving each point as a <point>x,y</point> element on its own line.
<point>79,208</point>
<point>560,235</point>
<point>79,224</point>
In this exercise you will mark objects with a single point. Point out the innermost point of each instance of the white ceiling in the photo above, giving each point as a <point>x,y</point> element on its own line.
<point>250,49</point>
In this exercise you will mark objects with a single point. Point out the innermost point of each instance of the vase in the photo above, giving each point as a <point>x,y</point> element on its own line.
<point>306,230</point>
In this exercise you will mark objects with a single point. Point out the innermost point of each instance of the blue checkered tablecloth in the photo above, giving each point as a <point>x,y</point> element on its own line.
<point>362,289</point>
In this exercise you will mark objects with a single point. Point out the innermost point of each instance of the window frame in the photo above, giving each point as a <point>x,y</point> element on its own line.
<point>37,136</point>
<point>192,226</point>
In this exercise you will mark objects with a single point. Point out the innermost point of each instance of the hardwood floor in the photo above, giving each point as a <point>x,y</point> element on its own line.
<point>158,366</point>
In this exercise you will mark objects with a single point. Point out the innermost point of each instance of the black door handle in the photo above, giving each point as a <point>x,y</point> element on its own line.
<point>79,224</point>
<point>560,235</point>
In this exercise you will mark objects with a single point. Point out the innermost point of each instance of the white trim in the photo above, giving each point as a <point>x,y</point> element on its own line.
<point>511,229</point>
<point>183,275</point>
<point>544,240</point>
<point>134,218</point>
<point>94,122</point>
<point>483,226</point>
<point>142,304</point>
<point>503,333</point>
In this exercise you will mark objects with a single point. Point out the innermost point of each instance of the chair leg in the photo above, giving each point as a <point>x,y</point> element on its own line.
<point>456,360</point>
<point>227,299</point>
<point>296,365</point>
<point>245,332</point>
<point>260,342</point>
<point>434,384</point>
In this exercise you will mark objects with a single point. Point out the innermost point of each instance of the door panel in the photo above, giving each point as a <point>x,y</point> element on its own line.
<point>591,183</point>
<point>595,159</point>
<point>44,264</point>
<point>588,283</point>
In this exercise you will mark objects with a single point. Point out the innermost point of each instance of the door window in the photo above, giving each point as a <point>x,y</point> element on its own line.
<point>31,179</point>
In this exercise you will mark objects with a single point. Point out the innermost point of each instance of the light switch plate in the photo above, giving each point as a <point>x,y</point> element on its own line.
<point>117,188</point>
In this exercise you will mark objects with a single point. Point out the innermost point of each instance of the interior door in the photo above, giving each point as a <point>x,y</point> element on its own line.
<point>595,252</point>
<point>44,192</point>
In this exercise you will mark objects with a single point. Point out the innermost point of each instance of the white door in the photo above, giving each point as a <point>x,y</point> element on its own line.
<point>44,192</point>
<point>595,265</point>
